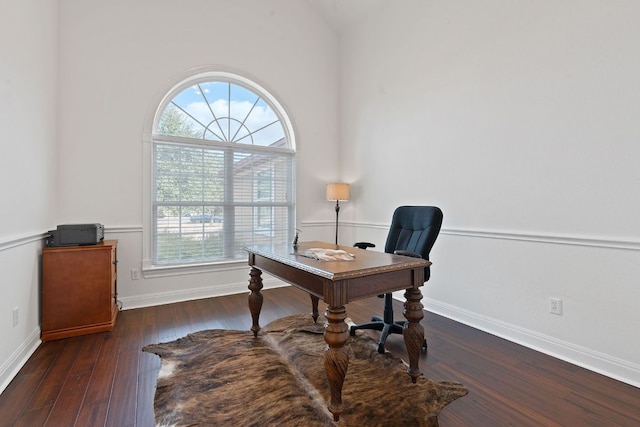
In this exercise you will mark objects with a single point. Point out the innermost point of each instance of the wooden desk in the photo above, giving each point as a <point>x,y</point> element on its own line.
<point>338,283</point>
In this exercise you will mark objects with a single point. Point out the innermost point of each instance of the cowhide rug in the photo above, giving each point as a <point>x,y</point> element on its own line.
<point>230,378</point>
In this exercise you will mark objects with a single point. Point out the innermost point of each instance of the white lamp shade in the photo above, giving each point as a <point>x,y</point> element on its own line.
<point>338,191</point>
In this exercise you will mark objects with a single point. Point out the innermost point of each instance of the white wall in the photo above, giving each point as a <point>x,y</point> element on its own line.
<point>520,120</point>
<point>519,117</point>
<point>28,77</point>
<point>78,80</point>
<point>117,60</point>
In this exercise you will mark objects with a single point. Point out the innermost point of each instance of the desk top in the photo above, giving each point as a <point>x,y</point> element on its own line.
<point>365,263</point>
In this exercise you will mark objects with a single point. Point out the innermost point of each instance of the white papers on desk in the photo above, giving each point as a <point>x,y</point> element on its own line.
<point>322,254</point>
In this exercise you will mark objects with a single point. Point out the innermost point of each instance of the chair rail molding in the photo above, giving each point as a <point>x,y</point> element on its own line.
<point>26,238</point>
<point>15,241</point>
<point>558,239</point>
<point>124,229</point>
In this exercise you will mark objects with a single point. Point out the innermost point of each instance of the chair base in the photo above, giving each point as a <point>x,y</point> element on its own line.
<point>378,324</point>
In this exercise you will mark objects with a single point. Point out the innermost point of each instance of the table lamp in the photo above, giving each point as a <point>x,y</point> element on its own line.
<point>338,191</point>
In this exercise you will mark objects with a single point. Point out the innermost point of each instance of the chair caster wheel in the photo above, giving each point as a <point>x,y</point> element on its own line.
<point>352,331</point>
<point>381,348</point>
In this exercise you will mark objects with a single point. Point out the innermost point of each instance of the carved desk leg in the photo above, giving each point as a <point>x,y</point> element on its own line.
<point>413,331</point>
<point>255,298</point>
<point>336,359</point>
<point>314,308</point>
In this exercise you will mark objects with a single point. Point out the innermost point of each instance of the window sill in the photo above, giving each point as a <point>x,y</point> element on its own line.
<point>150,271</point>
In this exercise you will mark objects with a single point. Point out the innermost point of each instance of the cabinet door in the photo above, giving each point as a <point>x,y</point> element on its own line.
<point>77,289</point>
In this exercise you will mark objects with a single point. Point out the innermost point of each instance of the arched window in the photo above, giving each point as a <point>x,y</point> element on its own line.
<point>222,171</point>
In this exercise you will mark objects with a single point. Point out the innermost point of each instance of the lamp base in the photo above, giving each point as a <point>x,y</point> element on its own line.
<point>337,215</point>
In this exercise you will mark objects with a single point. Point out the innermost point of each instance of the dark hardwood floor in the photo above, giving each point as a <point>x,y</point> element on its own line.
<point>105,378</point>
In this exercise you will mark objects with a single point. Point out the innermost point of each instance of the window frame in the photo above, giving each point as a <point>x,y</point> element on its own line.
<point>153,116</point>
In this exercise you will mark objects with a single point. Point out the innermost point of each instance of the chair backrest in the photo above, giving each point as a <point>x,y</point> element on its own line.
<point>415,229</point>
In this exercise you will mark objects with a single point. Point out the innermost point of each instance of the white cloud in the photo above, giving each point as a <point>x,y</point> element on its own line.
<point>240,124</point>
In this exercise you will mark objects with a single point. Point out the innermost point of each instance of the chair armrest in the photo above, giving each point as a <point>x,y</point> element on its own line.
<point>407,253</point>
<point>364,245</point>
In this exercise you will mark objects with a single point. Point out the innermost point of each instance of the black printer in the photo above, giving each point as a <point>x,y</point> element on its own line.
<point>75,235</point>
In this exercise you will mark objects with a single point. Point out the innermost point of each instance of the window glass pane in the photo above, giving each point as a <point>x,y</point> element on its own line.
<point>248,232</point>
<point>177,123</point>
<point>267,136</point>
<point>224,112</point>
<point>263,185</point>
<point>212,198</point>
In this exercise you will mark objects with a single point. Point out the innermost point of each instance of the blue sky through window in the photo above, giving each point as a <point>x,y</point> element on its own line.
<point>227,112</point>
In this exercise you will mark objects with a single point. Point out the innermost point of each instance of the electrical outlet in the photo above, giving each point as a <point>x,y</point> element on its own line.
<point>555,306</point>
<point>16,316</point>
<point>135,274</point>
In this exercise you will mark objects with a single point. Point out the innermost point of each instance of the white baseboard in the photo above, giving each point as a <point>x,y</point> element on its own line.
<point>604,364</point>
<point>19,358</point>
<point>161,298</point>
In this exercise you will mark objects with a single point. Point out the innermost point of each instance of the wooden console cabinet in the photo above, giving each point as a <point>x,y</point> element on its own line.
<point>79,290</point>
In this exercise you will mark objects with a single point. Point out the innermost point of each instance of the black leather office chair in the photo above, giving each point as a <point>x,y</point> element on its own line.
<point>414,230</point>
